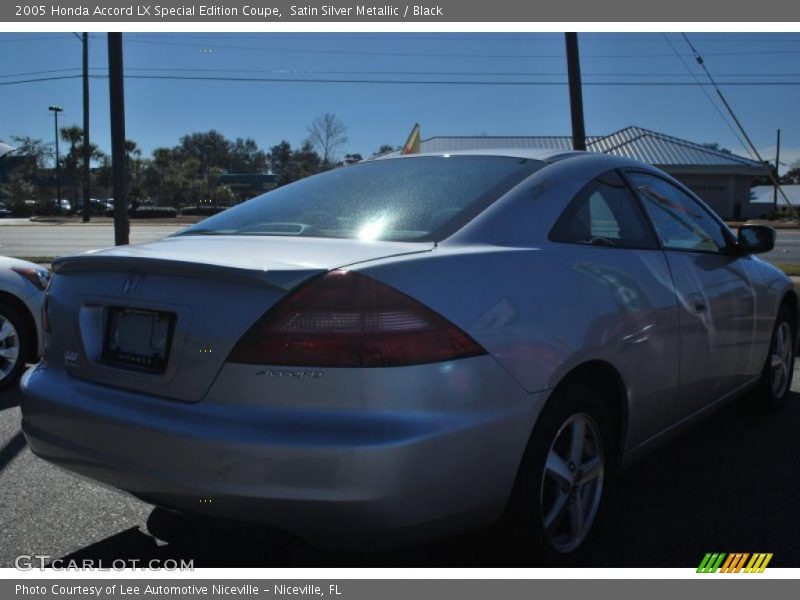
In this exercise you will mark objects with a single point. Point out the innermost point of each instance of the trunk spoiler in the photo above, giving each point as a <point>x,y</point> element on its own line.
<point>278,278</point>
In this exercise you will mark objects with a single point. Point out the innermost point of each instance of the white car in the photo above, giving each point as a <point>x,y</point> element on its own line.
<point>22,286</point>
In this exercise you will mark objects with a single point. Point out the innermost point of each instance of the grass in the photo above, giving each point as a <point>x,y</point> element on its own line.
<point>789,269</point>
<point>37,259</point>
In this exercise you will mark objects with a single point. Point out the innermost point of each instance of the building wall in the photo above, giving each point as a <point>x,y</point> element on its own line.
<point>752,210</point>
<point>728,195</point>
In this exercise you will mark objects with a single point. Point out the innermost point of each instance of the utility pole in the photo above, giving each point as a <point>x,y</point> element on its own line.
<point>777,176</point>
<point>575,92</point>
<point>117,97</point>
<point>56,110</point>
<point>87,153</point>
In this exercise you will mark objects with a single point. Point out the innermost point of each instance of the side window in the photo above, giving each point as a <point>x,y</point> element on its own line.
<point>604,213</point>
<point>681,223</point>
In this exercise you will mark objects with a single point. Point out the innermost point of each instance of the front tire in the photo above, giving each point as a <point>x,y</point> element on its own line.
<point>776,378</point>
<point>14,344</point>
<point>558,497</point>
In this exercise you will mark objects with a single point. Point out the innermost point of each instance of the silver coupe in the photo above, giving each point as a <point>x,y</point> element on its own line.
<point>411,346</point>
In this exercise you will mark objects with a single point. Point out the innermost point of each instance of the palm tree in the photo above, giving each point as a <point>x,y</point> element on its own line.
<point>133,169</point>
<point>73,135</point>
<point>132,148</point>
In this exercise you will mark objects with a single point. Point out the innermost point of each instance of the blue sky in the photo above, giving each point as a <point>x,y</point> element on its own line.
<point>159,111</point>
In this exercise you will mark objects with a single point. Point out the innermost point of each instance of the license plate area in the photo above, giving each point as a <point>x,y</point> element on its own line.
<point>138,339</point>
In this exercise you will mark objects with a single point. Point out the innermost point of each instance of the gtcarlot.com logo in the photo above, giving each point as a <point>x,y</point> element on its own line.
<point>737,562</point>
<point>29,562</point>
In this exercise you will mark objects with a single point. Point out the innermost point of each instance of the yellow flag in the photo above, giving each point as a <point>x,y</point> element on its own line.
<point>412,143</point>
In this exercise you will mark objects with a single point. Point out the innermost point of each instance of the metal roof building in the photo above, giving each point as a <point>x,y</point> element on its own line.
<point>722,179</point>
<point>763,195</point>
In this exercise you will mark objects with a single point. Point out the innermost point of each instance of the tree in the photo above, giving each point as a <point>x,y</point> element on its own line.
<point>792,176</point>
<point>73,160</point>
<point>326,134</point>
<point>245,157</point>
<point>73,135</point>
<point>305,162</point>
<point>766,179</point>
<point>280,157</point>
<point>290,165</point>
<point>17,189</point>
<point>28,146</point>
<point>133,171</point>
<point>210,148</point>
<point>104,175</point>
<point>717,147</point>
<point>172,177</point>
<point>384,149</point>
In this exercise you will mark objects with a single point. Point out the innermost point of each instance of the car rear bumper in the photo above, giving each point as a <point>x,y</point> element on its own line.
<point>335,477</point>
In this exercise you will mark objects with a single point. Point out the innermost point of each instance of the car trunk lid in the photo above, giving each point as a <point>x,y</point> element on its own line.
<point>188,298</point>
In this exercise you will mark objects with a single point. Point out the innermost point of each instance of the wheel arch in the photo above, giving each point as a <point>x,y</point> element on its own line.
<point>606,379</point>
<point>30,323</point>
<point>790,300</point>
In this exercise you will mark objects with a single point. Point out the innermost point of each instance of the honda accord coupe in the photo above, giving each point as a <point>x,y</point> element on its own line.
<point>410,347</point>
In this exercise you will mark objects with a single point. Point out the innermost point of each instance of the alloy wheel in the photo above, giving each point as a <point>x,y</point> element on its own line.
<point>572,483</point>
<point>9,347</point>
<point>781,359</point>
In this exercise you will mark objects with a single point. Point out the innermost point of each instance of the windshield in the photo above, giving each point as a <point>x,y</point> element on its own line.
<point>423,198</point>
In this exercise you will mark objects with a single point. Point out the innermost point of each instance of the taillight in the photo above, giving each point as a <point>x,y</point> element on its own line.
<point>344,319</point>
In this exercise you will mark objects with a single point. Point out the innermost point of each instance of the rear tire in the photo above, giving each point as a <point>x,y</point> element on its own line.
<point>558,497</point>
<point>775,385</point>
<point>15,343</point>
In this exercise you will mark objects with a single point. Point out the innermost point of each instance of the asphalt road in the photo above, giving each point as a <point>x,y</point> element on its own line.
<point>787,247</point>
<point>730,484</point>
<point>20,237</point>
<point>23,238</point>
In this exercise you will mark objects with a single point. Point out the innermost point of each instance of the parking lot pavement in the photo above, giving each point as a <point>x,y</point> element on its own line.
<point>730,484</point>
<point>62,239</point>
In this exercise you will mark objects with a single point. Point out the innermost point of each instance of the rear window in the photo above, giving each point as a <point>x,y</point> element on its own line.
<point>423,198</point>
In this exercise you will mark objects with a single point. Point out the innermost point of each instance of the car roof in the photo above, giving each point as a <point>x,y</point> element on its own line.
<point>546,155</point>
<point>591,160</point>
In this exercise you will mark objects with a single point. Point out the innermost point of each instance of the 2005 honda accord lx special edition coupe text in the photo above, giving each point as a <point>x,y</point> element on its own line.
<point>411,346</point>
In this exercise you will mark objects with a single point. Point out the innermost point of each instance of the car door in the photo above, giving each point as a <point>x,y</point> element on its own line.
<point>716,298</point>
<point>616,298</point>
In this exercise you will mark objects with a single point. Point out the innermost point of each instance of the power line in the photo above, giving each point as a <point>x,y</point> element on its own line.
<point>708,96</point>
<point>410,81</point>
<point>439,73</point>
<point>38,79</point>
<point>362,53</point>
<point>500,37</point>
<point>384,72</point>
<point>736,120</point>
<point>457,82</point>
<point>38,72</point>
<point>49,38</point>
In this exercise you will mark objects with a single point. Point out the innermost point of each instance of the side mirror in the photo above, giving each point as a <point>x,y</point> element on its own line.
<point>756,239</point>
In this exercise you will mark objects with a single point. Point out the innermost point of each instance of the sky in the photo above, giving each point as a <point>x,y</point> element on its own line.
<point>160,110</point>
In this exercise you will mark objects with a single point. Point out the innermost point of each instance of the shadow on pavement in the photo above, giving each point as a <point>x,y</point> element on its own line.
<point>10,397</point>
<point>10,450</point>
<point>728,485</point>
<point>222,544</point>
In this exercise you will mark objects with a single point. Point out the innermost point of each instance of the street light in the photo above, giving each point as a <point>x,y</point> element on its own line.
<point>56,110</point>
